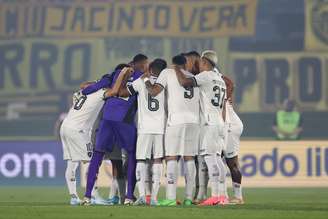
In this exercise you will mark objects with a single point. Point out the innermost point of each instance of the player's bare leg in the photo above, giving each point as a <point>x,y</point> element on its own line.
<point>190,175</point>
<point>236,177</point>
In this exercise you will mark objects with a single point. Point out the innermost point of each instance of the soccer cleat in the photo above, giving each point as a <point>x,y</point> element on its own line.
<point>153,202</point>
<point>128,201</point>
<point>148,198</point>
<point>167,202</point>
<point>98,201</point>
<point>197,201</point>
<point>140,201</point>
<point>187,202</point>
<point>115,200</point>
<point>75,201</point>
<point>210,201</point>
<point>236,201</point>
<point>223,200</point>
<point>86,201</point>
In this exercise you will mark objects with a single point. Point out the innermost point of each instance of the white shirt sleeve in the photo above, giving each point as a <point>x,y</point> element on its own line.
<point>135,87</point>
<point>202,78</point>
<point>162,79</point>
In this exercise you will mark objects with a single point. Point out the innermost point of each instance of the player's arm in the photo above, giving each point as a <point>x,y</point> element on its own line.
<point>230,87</point>
<point>153,89</point>
<point>183,80</point>
<point>224,111</point>
<point>119,88</point>
<point>86,84</point>
<point>102,83</point>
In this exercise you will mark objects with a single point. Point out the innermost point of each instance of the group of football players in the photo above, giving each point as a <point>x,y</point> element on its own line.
<point>154,114</point>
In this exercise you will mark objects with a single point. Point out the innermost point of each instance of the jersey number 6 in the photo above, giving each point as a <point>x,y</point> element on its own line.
<point>153,104</point>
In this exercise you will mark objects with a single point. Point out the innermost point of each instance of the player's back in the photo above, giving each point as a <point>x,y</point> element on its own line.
<point>183,103</point>
<point>84,111</point>
<point>151,111</point>
<point>212,97</point>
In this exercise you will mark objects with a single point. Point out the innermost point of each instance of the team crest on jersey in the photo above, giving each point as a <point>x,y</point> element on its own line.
<point>319,20</point>
<point>89,149</point>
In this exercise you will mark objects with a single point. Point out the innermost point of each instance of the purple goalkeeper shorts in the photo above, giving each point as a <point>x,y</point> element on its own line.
<point>111,132</point>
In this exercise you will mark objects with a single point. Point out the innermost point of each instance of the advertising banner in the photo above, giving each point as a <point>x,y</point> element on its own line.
<point>31,163</point>
<point>103,18</point>
<point>269,164</point>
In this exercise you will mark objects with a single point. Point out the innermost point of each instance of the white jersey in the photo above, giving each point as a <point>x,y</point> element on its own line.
<point>151,112</point>
<point>212,96</point>
<point>84,111</point>
<point>183,103</point>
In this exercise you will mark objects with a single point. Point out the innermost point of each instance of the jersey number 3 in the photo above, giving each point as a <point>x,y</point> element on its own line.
<point>219,94</point>
<point>79,103</point>
<point>153,104</point>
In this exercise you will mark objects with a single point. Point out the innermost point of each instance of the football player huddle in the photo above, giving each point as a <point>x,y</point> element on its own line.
<point>153,114</point>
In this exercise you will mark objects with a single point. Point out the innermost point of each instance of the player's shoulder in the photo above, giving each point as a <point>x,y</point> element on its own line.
<point>166,71</point>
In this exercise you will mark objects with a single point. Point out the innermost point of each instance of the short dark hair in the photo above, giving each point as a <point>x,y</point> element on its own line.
<point>121,66</point>
<point>192,53</point>
<point>158,65</point>
<point>179,60</point>
<point>139,57</point>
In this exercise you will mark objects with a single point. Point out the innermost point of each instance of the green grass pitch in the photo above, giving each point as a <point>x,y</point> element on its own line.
<point>51,202</point>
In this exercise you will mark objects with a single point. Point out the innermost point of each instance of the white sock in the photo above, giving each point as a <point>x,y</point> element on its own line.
<point>226,189</point>
<point>156,179</point>
<point>172,173</point>
<point>141,177</point>
<point>222,176</point>
<point>70,176</point>
<point>148,178</point>
<point>213,173</point>
<point>190,175</point>
<point>202,178</point>
<point>114,187</point>
<point>237,190</point>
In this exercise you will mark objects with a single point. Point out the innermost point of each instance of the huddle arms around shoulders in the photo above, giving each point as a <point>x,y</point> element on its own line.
<point>183,80</point>
<point>119,88</point>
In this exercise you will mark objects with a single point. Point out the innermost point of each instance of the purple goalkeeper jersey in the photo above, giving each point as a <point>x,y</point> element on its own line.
<point>116,108</point>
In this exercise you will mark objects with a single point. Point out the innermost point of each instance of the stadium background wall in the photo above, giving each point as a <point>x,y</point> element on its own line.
<point>263,164</point>
<point>48,49</point>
